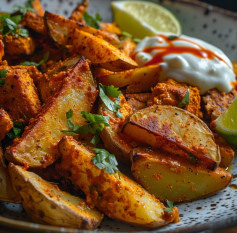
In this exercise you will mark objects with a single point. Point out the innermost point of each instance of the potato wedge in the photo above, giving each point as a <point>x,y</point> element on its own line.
<point>5,123</point>
<point>60,29</point>
<point>136,80</point>
<point>7,192</point>
<point>100,52</point>
<point>46,203</point>
<point>18,95</point>
<point>176,131</point>
<point>114,141</point>
<point>116,195</point>
<point>35,22</point>
<point>169,178</point>
<point>1,50</point>
<point>38,145</point>
<point>78,12</point>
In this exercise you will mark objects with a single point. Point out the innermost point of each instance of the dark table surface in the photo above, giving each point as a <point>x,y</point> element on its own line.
<point>226,4</point>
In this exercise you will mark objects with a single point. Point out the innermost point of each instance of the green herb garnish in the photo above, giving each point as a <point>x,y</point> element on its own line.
<point>126,35</point>
<point>92,21</point>
<point>9,24</point>
<point>41,62</point>
<point>23,9</point>
<point>105,160</point>
<point>170,205</point>
<point>110,91</point>
<point>16,131</point>
<point>172,37</point>
<point>95,125</point>
<point>185,101</point>
<point>3,74</point>
<point>192,158</point>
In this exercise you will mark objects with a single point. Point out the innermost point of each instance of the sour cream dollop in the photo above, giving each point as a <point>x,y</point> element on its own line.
<point>187,60</point>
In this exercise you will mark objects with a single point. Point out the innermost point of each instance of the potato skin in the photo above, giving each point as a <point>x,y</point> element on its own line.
<point>7,193</point>
<point>5,123</point>
<point>116,195</point>
<point>38,145</point>
<point>170,178</point>
<point>46,203</point>
<point>176,131</point>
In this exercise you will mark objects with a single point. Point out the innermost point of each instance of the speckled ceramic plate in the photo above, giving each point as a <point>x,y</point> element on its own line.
<point>209,23</point>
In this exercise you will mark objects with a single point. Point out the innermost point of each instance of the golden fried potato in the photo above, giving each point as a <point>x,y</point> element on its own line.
<point>5,123</point>
<point>136,80</point>
<point>176,131</point>
<point>19,96</point>
<point>138,100</point>
<point>60,30</point>
<point>35,22</point>
<point>18,46</point>
<point>45,203</point>
<point>128,46</point>
<point>37,7</point>
<point>114,141</point>
<point>78,12</point>
<point>170,178</point>
<point>100,52</point>
<point>1,49</point>
<point>116,195</point>
<point>7,192</point>
<point>171,92</point>
<point>38,145</point>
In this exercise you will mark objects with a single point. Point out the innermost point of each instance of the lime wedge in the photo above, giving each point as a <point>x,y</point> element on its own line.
<point>142,18</point>
<point>226,124</point>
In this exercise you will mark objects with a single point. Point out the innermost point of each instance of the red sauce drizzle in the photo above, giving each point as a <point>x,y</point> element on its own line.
<point>170,48</point>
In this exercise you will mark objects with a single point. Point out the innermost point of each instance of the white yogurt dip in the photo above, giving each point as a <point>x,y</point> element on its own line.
<point>187,60</point>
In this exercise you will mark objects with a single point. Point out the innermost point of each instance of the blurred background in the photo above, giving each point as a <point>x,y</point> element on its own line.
<point>226,4</point>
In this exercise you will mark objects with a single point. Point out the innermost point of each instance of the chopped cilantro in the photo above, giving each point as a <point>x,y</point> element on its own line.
<point>192,158</point>
<point>23,9</point>
<point>185,100</point>
<point>170,205</point>
<point>105,92</point>
<point>3,74</point>
<point>104,160</point>
<point>126,35</point>
<point>92,21</point>
<point>16,131</point>
<point>172,37</point>
<point>96,124</point>
<point>41,62</point>
<point>9,24</point>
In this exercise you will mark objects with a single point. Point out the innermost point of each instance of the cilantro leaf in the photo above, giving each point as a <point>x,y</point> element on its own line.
<point>91,21</point>
<point>172,37</point>
<point>185,100</point>
<point>3,74</point>
<point>192,158</point>
<point>170,205</point>
<point>104,160</point>
<point>41,62</point>
<point>23,9</point>
<point>126,35</point>
<point>96,124</point>
<point>9,24</point>
<point>111,91</point>
<point>16,131</point>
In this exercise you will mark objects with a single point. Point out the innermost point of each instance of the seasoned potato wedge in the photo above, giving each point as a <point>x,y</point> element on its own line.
<point>78,12</point>
<point>60,29</point>
<point>35,22</point>
<point>18,95</point>
<point>38,145</point>
<point>17,46</point>
<point>114,141</point>
<point>46,203</point>
<point>1,50</point>
<point>171,179</point>
<point>37,7</point>
<point>5,123</point>
<point>226,152</point>
<point>100,52</point>
<point>137,80</point>
<point>7,192</point>
<point>176,131</point>
<point>116,195</point>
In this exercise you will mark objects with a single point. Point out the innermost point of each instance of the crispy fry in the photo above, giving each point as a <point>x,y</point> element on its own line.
<point>5,123</point>
<point>78,12</point>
